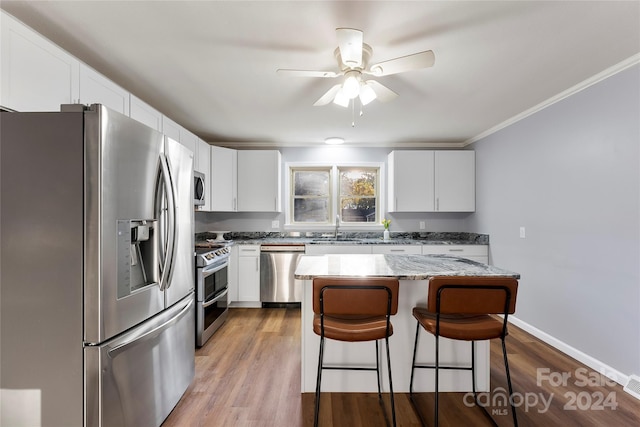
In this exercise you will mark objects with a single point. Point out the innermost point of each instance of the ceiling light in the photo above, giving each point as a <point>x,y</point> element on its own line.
<point>351,85</point>
<point>341,99</point>
<point>366,93</point>
<point>334,140</point>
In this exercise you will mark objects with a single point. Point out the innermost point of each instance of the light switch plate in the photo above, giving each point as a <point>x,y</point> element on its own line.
<point>422,225</point>
<point>522,233</point>
<point>275,224</point>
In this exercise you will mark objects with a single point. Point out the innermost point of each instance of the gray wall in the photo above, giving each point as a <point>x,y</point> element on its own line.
<point>246,221</point>
<point>570,174</point>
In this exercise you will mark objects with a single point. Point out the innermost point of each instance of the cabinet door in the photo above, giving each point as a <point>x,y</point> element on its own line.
<point>145,113</point>
<point>397,249</point>
<point>411,181</point>
<point>171,128</point>
<point>189,140</point>
<point>249,273</point>
<point>455,181</point>
<point>259,181</point>
<point>35,74</point>
<point>223,179</point>
<point>97,89</point>
<point>203,165</point>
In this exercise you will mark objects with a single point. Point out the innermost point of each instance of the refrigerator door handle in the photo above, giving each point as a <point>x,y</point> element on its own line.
<point>113,352</point>
<point>168,224</point>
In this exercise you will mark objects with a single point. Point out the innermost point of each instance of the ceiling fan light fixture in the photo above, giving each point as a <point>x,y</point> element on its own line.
<point>351,85</point>
<point>366,93</point>
<point>334,140</point>
<point>341,99</point>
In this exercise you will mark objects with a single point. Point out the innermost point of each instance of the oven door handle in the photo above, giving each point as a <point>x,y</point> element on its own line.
<point>207,271</point>
<point>216,299</point>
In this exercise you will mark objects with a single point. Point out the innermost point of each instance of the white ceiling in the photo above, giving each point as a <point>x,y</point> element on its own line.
<point>211,65</point>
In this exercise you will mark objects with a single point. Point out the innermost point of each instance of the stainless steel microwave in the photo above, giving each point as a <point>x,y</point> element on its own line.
<point>198,188</point>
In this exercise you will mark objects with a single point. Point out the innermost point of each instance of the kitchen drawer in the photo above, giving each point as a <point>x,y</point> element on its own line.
<point>478,253</point>
<point>397,249</point>
<point>248,250</point>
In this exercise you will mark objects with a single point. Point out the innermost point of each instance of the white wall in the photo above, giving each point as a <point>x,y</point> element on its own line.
<point>329,154</point>
<point>570,174</point>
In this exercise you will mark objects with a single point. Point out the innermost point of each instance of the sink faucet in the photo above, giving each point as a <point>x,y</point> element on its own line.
<point>337,225</point>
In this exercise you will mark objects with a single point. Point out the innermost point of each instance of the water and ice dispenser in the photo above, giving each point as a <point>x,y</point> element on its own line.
<point>137,255</point>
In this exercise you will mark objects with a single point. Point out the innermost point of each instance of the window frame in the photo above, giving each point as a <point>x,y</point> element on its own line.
<point>335,196</point>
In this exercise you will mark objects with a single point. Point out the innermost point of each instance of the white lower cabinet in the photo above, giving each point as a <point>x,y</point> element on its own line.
<point>248,274</point>
<point>478,253</point>
<point>397,249</point>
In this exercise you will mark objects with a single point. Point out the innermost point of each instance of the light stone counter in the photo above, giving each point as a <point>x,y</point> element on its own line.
<point>413,272</point>
<point>403,267</point>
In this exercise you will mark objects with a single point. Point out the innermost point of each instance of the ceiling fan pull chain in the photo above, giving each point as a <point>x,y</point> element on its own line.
<point>353,114</point>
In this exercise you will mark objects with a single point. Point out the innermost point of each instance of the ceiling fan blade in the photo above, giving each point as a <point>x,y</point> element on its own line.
<point>383,93</point>
<point>328,96</point>
<point>350,45</point>
<point>306,73</point>
<point>415,61</point>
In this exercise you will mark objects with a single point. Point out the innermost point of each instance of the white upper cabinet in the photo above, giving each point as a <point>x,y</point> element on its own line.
<point>97,89</point>
<point>36,75</point>
<point>455,181</point>
<point>145,113</point>
<point>190,141</point>
<point>224,194</point>
<point>431,181</point>
<point>171,128</point>
<point>259,181</point>
<point>203,165</point>
<point>411,181</point>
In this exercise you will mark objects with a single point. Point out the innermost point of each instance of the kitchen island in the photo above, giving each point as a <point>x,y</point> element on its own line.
<point>413,271</point>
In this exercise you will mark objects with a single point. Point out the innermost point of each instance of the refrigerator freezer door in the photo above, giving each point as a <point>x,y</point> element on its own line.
<point>182,277</point>
<point>122,168</point>
<point>137,379</point>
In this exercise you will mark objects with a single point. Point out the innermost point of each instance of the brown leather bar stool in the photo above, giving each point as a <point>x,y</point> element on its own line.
<point>353,310</point>
<point>461,308</point>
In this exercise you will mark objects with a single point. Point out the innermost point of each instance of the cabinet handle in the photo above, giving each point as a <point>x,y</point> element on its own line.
<point>395,208</point>
<point>456,250</point>
<point>437,203</point>
<point>257,264</point>
<point>396,250</point>
<point>235,204</point>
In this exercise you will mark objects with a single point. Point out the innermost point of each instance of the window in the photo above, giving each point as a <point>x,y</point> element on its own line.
<point>318,193</point>
<point>311,195</point>
<point>358,194</point>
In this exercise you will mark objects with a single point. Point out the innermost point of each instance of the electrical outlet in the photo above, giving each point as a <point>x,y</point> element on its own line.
<point>422,225</point>
<point>275,224</point>
<point>522,233</point>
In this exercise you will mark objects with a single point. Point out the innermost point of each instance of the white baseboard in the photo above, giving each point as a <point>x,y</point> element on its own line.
<point>591,362</point>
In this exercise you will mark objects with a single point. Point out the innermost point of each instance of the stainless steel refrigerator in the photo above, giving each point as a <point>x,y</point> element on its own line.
<point>96,270</point>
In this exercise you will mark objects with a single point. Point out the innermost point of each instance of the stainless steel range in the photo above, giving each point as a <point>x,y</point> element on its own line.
<point>212,287</point>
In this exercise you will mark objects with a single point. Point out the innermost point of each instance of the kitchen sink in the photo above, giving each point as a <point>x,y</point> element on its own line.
<point>339,239</point>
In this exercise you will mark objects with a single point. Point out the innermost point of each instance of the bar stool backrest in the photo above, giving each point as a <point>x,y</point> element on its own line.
<point>355,296</point>
<point>472,295</point>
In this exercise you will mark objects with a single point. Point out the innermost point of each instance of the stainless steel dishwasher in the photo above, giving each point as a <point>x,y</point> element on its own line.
<point>277,265</point>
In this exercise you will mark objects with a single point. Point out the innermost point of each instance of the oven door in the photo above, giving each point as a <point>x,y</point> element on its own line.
<point>212,306</point>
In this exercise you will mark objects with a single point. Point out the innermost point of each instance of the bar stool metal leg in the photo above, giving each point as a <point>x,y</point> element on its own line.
<point>393,404</point>
<point>318,381</point>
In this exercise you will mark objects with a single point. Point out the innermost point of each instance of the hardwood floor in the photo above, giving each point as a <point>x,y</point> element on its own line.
<point>248,374</point>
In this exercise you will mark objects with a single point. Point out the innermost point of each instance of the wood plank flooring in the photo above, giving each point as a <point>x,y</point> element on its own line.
<point>248,374</point>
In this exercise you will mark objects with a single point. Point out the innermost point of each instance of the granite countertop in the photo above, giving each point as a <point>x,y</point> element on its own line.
<point>406,267</point>
<point>351,238</point>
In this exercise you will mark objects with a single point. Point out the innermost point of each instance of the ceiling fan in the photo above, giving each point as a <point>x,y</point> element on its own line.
<point>353,57</point>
